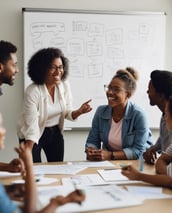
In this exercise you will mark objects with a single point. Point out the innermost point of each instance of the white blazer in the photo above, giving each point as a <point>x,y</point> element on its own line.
<point>34,115</point>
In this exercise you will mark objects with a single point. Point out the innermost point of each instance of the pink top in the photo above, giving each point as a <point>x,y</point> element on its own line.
<point>115,141</point>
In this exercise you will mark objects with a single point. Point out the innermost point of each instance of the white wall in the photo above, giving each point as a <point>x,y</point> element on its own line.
<point>11,29</point>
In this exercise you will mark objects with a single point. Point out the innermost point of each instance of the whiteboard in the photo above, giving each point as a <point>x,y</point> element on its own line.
<point>97,44</point>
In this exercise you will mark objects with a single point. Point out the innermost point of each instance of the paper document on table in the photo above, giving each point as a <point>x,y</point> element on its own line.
<point>114,175</point>
<point>58,169</point>
<point>9,174</point>
<point>148,192</point>
<point>85,180</point>
<point>41,181</point>
<point>92,180</point>
<point>93,163</point>
<point>108,197</point>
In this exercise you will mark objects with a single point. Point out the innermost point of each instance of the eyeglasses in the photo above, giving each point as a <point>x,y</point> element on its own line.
<point>55,68</point>
<point>114,90</point>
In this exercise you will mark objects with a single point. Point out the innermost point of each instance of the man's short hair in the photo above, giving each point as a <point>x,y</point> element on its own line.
<point>162,82</point>
<point>6,48</point>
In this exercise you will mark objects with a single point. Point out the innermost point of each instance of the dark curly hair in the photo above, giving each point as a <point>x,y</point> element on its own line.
<point>41,61</point>
<point>162,82</point>
<point>6,48</point>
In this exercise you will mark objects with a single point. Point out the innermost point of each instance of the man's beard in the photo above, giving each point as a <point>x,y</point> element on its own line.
<point>8,81</point>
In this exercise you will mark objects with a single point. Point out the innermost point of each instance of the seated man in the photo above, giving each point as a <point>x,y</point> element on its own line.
<point>159,90</point>
<point>163,164</point>
<point>8,70</point>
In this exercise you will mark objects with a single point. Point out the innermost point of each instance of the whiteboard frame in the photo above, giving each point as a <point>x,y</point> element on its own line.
<point>92,11</point>
<point>101,12</point>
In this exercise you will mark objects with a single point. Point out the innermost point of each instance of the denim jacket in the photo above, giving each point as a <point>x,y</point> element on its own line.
<point>136,135</point>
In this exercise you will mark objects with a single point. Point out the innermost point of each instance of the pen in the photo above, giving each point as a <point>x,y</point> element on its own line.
<point>77,191</point>
<point>141,163</point>
<point>38,177</point>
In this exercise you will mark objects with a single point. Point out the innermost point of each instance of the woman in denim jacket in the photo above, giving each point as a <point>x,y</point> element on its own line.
<point>120,129</point>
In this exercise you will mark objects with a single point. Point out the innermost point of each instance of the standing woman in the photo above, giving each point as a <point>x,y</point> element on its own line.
<point>47,102</point>
<point>120,127</point>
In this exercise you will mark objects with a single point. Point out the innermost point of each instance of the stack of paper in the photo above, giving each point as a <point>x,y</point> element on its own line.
<point>85,180</point>
<point>97,198</point>
<point>114,175</point>
<point>58,169</point>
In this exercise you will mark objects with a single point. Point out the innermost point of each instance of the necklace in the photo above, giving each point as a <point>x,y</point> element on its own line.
<point>117,117</point>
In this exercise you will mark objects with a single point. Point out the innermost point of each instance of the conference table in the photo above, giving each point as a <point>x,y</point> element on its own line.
<point>149,205</point>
